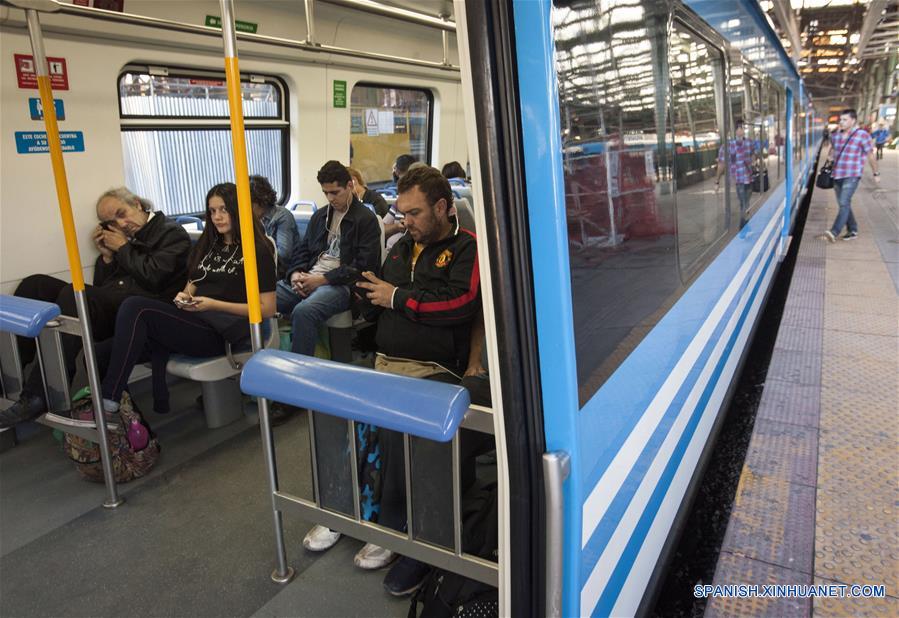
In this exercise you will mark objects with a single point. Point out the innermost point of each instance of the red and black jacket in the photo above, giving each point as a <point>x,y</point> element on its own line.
<point>434,306</point>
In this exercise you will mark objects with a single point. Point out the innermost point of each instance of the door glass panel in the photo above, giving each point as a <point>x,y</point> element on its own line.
<point>611,61</point>
<point>697,74</point>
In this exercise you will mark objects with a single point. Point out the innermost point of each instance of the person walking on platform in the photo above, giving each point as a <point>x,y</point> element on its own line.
<point>881,136</point>
<point>852,145</point>
<point>141,254</point>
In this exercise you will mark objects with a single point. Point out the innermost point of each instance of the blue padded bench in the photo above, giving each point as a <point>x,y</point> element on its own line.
<point>423,408</point>
<point>25,317</point>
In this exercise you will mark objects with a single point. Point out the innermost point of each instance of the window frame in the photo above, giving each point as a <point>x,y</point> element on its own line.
<point>429,94</point>
<point>212,123</point>
<point>722,111</point>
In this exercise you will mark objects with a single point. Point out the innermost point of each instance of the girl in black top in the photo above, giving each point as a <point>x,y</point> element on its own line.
<point>211,310</point>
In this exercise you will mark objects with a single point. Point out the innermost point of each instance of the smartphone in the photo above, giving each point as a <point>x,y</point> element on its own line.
<point>185,303</point>
<point>106,225</point>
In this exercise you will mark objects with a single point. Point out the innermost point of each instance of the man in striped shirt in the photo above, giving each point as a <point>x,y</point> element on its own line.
<point>739,157</point>
<point>848,149</point>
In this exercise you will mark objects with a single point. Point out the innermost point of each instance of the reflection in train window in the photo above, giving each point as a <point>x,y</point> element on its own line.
<point>386,122</point>
<point>176,134</point>
<point>697,79</point>
<point>619,177</point>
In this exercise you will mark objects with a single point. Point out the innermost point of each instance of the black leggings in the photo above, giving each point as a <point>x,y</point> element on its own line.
<point>148,329</point>
<point>102,304</point>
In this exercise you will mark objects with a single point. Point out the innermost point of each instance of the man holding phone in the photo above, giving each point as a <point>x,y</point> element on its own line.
<point>141,254</point>
<point>342,240</point>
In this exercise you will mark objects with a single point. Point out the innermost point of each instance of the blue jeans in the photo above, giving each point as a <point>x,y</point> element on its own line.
<point>308,314</point>
<point>845,188</point>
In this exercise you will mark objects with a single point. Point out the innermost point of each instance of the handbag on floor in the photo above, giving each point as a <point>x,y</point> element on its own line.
<point>132,444</point>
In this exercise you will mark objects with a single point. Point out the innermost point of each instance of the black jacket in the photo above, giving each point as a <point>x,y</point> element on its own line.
<point>360,244</point>
<point>377,201</point>
<point>153,263</point>
<point>434,307</point>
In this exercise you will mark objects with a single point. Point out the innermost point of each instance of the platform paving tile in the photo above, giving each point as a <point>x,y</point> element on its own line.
<point>772,521</point>
<point>857,607</point>
<point>883,348</point>
<point>839,302</point>
<point>809,283</point>
<point>784,451</point>
<point>805,301</point>
<point>795,366</point>
<point>850,321</point>
<point>737,569</point>
<point>798,339</point>
<point>849,368</point>
<point>795,315</point>
<point>791,403</point>
<point>879,291</point>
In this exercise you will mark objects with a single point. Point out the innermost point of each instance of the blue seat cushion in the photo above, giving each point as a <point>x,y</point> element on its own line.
<point>25,317</point>
<point>418,407</point>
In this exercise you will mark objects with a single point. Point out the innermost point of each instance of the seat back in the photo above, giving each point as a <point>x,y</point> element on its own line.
<point>464,213</point>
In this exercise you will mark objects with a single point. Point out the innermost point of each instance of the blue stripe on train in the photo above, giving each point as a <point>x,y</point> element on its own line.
<point>631,389</point>
<point>598,541</point>
<point>622,570</point>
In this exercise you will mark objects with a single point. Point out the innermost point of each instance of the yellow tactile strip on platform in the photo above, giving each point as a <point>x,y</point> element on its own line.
<point>735,568</point>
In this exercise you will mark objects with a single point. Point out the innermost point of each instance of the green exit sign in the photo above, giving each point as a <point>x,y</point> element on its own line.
<point>339,93</point>
<point>214,21</point>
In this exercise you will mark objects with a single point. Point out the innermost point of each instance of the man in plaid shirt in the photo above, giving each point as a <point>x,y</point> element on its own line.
<point>850,145</point>
<point>739,157</point>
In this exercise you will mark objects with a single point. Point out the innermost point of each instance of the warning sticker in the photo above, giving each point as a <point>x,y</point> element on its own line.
<point>26,74</point>
<point>371,122</point>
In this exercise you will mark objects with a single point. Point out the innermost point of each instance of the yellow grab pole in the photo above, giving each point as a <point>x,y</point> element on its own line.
<point>68,225</point>
<point>241,172</point>
<point>282,573</point>
<point>59,166</point>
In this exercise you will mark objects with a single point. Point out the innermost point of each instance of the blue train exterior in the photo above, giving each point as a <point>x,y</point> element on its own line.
<point>636,437</point>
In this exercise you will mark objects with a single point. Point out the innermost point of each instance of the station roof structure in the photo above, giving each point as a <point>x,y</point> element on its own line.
<point>833,41</point>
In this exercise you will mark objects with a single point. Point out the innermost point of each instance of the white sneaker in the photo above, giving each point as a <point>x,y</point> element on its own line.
<point>320,538</point>
<point>829,237</point>
<point>372,557</point>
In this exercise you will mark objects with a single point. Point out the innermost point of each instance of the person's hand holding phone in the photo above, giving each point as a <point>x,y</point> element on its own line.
<point>183,300</point>
<point>97,237</point>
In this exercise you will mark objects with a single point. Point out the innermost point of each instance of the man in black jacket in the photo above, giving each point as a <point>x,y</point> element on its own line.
<point>342,240</point>
<point>429,296</point>
<point>141,254</point>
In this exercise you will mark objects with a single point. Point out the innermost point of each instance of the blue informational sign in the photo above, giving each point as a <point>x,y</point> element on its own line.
<point>28,142</point>
<point>37,109</point>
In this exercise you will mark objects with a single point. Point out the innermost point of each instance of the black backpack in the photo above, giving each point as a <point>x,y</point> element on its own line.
<point>443,593</point>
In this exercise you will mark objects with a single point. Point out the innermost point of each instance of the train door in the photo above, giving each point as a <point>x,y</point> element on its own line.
<point>605,422</point>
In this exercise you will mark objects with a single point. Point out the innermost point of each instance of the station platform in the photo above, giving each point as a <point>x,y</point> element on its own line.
<point>818,497</point>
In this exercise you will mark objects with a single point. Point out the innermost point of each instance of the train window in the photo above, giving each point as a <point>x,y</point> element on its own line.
<point>774,131</point>
<point>386,122</point>
<point>755,130</point>
<point>697,75</point>
<point>619,177</point>
<point>176,135</point>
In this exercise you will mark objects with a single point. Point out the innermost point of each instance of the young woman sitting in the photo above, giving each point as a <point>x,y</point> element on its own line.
<point>211,310</point>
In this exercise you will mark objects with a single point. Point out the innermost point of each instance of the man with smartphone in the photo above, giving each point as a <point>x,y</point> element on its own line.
<point>141,254</point>
<point>342,240</point>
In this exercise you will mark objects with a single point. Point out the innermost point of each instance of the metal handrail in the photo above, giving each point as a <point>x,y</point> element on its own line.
<point>178,26</point>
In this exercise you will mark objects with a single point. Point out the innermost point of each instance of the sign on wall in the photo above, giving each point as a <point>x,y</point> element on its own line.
<point>37,109</point>
<point>29,142</point>
<point>26,74</point>
<point>339,93</point>
<point>214,21</point>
